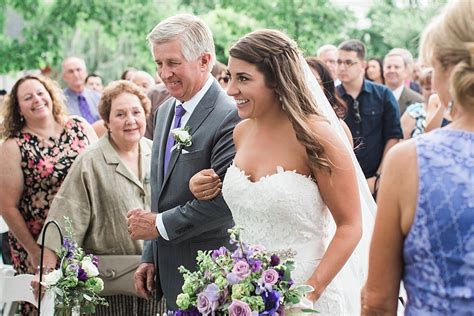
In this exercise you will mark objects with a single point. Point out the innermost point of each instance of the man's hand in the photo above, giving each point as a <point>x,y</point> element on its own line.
<point>141,224</point>
<point>145,280</point>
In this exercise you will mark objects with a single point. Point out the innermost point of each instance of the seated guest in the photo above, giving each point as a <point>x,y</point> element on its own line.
<point>424,232</point>
<point>143,79</point>
<point>81,100</point>
<point>111,177</point>
<point>374,70</point>
<point>94,82</point>
<point>41,143</point>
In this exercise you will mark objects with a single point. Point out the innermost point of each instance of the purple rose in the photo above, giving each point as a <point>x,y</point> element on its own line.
<point>270,276</point>
<point>272,302</point>
<point>95,260</point>
<point>207,301</point>
<point>274,260</point>
<point>81,274</point>
<point>257,248</point>
<point>241,269</point>
<point>239,308</point>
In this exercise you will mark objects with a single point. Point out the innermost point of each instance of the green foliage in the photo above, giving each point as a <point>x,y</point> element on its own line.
<point>110,34</point>
<point>392,26</point>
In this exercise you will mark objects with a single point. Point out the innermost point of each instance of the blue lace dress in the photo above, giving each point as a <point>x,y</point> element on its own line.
<point>439,249</point>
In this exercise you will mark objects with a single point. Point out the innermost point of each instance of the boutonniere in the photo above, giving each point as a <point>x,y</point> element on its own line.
<point>182,137</point>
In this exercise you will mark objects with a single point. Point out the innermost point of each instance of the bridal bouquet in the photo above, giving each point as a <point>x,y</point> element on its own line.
<point>76,283</point>
<point>247,281</point>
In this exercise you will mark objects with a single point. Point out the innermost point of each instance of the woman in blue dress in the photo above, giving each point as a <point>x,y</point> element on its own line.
<point>424,231</point>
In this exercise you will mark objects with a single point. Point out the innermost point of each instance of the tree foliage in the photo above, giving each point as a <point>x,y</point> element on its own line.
<point>110,34</point>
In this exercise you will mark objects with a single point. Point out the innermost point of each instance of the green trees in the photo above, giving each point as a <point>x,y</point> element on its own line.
<point>110,34</point>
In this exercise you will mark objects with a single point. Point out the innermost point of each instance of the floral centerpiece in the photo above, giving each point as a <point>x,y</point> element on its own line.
<point>76,283</point>
<point>247,281</point>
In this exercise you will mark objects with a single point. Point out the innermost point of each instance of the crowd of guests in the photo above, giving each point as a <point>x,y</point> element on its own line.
<point>52,165</point>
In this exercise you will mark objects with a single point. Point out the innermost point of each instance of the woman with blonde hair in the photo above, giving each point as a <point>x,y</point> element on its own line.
<point>41,143</point>
<point>424,229</point>
<point>294,183</point>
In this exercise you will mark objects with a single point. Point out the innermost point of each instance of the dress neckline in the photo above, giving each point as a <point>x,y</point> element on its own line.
<point>279,171</point>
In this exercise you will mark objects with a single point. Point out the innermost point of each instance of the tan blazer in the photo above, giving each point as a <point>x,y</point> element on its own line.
<point>96,195</point>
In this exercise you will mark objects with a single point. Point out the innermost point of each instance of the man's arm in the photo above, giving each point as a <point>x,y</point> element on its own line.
<point>196,216</point>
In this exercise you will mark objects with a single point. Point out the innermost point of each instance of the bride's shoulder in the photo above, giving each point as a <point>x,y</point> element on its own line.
<point>241,128</point>
<point>321,127</point>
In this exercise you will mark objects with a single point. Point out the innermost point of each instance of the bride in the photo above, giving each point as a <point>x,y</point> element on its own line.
<point>294,182</point>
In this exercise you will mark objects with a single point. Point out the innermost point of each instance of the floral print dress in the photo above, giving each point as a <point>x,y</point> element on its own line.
<point>45,164</point>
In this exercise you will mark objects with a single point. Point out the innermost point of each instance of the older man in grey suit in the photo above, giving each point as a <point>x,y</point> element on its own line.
<point>179,225</point>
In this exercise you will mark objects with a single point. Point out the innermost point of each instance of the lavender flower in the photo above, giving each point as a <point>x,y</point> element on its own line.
<point>70,246</point>
<point>219,252</point>
<point>232,278</point>
<point>241,269</point>
<point>270,276</point>
<point>239,308</point>
<point>208,300</point>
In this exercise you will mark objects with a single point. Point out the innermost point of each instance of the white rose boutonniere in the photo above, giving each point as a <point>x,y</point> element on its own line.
<point>182,137</point>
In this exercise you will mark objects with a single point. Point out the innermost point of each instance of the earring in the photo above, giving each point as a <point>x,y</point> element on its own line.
<point>450,106</point>
<point>22,119</point>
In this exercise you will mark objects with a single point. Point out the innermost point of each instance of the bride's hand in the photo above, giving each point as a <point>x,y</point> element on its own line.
<point>205,185</point>
<point>316,293</point>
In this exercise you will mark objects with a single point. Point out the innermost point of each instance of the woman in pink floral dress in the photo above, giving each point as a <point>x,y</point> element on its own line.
<point>41,143</point>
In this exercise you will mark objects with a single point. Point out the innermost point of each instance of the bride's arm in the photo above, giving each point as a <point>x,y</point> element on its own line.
<point>339,191</point>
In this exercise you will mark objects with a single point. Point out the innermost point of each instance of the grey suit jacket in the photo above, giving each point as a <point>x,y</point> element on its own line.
<point>408,97</point>
<point>191,224</point>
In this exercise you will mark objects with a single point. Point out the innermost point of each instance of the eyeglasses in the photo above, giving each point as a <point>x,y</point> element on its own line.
<point>355,106</point>
<point>225,79</point>
<point>348,63</point>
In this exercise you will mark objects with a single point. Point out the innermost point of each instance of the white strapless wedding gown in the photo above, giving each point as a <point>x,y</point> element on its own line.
<point>282,211</point>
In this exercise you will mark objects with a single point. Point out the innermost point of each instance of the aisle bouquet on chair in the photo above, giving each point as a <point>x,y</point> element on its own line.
<point>76,283</point>
<point>247,281</point>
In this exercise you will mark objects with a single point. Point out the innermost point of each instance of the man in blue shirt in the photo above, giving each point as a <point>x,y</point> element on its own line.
<point>373,115</point>
<point>81,100</point>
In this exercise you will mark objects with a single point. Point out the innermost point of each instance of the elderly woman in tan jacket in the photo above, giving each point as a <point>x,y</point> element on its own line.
<point>108,179</point>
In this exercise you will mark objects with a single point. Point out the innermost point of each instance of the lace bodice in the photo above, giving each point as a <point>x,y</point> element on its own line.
<point>280,211</point>
<point>439,249</point>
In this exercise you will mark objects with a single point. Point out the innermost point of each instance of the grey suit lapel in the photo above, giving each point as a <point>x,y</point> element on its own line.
<point>200,113</point>
<point>163,140</point>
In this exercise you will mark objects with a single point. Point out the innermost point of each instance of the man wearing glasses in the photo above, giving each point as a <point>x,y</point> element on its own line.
<point>373,115</point>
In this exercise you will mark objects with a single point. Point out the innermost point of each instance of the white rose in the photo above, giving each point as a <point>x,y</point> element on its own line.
<point>89,267</point>
<point>182,135</point>
<point>52,278</point>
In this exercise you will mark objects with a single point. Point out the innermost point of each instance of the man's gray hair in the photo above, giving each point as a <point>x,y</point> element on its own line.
<point>325,48</point>
<point>192,32</point>
<point>404,53</point>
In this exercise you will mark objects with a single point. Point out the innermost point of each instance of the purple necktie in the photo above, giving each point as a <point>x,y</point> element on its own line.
<point>84,108</point>
<point>178,114</point>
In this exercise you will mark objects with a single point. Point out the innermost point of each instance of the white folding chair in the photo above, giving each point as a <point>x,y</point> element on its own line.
<point>17,288</point>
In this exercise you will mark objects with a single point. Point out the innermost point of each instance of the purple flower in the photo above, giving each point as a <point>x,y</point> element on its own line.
<point>270,276</point>
<point>232,278</point>
<point>81,275</point>
<point>70,247</point>
<point>274,260</point>
<point>188,312</point>
<point>208,300</point>
<point>95,260</point>
<point>272,302</point>
<point>241,269</point>
<point>73,267</point>
<point>255,265</point>
<point>239,308</point>
<point>219,252</point>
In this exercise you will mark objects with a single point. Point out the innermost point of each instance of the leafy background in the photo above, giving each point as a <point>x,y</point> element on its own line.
<point>110,34</point>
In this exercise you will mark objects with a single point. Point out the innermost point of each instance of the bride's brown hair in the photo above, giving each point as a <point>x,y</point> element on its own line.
<point>277,57</point>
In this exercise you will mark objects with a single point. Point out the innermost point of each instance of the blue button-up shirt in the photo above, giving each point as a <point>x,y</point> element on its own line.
<point>92,98</point>
<point>380,122</point>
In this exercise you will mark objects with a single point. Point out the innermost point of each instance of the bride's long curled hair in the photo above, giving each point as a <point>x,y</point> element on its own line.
<point>277,57</point>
